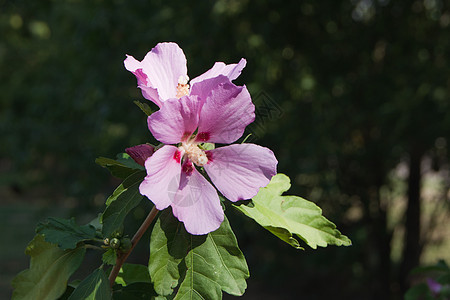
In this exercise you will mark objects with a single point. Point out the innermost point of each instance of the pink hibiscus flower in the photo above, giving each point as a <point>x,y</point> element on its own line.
<point>215,111</point>
<point>162,74</point>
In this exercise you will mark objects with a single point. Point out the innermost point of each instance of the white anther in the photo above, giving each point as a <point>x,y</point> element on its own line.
<point>195,154</point>
<point>202,159</point>
<point>183,79</point>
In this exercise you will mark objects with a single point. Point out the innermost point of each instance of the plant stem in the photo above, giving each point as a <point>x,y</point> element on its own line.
<point>122,256</point>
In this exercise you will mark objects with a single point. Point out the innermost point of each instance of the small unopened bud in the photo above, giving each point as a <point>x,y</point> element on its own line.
<point>106,241</point>
<point>140,153</point>
<point>125,244</point>
<point>114,243</point>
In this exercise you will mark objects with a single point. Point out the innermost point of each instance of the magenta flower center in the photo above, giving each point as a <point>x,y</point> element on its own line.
<point>194,153</point>
<point>183,86</point>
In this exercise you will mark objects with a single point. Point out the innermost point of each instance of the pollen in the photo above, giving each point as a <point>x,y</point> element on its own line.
<point>195,154</point>
<point>183,86</point>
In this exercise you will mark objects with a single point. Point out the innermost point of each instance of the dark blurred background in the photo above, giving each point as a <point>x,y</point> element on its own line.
<point>352,96</point>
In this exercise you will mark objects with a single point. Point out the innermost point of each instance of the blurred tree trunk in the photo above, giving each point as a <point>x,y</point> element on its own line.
<point>384,248</point>
<point>412,244</point>
<point>381,287</point>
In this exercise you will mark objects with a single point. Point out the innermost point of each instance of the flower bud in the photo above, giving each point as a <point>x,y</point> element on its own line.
<point>125,244</point>
<point>114,243</point>
<point>140,153</point>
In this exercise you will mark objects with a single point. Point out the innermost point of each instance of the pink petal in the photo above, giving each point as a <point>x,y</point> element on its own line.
<point>140,153</point>
<point>151,94</point>
<point>204,88</point>
<point>163,176</point>
<point>238,171</point>
<point>135,67</point>
<point>176,120</point>
<point>434,286</point>
<point>225,113</point>
<point>159,71</point>
<point>231,71</point>
<point>196,202</point>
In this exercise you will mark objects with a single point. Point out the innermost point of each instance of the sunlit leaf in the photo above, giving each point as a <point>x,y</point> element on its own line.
<point>206,265</point>
<point>93,287</point>
<point>286,216</point>
<point>50,269</point>
<point>131,273</point>
<point>65,233</point>
<point>207,146</point>
<point>168,246</point>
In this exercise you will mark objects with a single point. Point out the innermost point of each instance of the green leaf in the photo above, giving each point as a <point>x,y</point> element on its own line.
<point>50,269</point>
<point>419,291</point>
<point>109,257</point>
<point>74,283</point>
<point>286,216</point>
<point>133,179</point>
<point>200,282</point>
<point>168,246</point>
<point>131,273</point>
<point>207,146</point>
<point>134,291</point>
<point>69,290</point>
<point>207,264</point>
<point>65,233</point>
<point>124,199</point>
<point>144,107</point>
<point>121,168</point>
<point>128,161</point>
<point>96,223</point>
<point>440,267</point>
<point>93,287</point>
<point>223,251</point>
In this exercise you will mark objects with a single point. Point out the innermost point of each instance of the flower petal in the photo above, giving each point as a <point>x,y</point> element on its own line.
<point>225,113</point>
<point>176,120</point>
<point>231,71</point>
<point>159,71</point>
<point>163,175</point>
<point>238,171</point>
<point>204,88</point>
<point>135,67</point>
<point>196,202</point>
<point>434,286</point>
